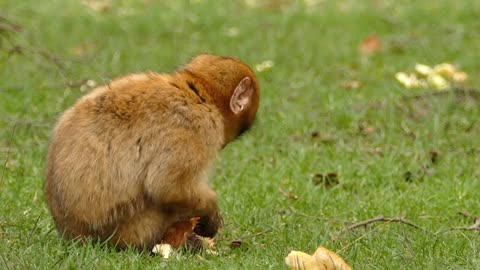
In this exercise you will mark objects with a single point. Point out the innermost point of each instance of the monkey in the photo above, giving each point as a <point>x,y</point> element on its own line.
<point>131,159</point>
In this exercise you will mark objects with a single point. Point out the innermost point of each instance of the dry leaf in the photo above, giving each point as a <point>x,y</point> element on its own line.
<point>434,155</point>
<point>351,84</point>
<point>322,259</point>
<point>236,244</point>
<point>98,5</point>
<point>366,129</point>
<point>289,194</point>
<point>370,45</point>
<point>328,180</point>
<point>321,137</point>
<point>376,151</point>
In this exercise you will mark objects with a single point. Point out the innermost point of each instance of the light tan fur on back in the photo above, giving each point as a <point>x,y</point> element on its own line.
<point>131,158</point>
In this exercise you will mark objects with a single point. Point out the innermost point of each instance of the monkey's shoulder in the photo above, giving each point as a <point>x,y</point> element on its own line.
<point>143,103</point>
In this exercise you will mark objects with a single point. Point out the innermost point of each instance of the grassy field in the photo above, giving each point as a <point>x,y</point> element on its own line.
<point>338,139</point>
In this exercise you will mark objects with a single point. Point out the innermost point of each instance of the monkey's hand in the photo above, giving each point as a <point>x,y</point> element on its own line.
<point>208,226</point>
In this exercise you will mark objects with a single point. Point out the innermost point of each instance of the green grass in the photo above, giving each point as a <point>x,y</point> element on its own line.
<point>371,137</point>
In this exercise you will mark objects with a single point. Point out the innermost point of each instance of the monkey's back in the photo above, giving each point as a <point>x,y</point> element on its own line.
<point>122,141</point>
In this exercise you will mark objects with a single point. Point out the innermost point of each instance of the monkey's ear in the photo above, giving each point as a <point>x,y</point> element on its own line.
<point>241,96</point>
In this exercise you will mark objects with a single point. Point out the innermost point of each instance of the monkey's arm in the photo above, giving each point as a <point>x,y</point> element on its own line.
<point>177,179</point>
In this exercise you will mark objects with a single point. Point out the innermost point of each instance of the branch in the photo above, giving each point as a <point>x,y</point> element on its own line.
<point>474,227</point>
<point>382,219</point>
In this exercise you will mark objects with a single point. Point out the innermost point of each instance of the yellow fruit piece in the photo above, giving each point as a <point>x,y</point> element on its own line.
<point>322,259</point>
<point>408,80</point>
<point>423,70</point>
<point>445,69</point>
<point>438,82</point>
<point>460,77</point>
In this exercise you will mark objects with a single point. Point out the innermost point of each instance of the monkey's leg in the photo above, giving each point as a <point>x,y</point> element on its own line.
<point>143,230</point>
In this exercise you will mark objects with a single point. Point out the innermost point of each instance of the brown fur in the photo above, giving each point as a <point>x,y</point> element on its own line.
<point>131,158</point>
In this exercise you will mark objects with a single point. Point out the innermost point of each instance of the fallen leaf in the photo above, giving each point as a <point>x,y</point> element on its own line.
<point>98,5</point>
<point>376,151</point>
<point>408,176</point>
<point>370,45</point>
<point>322,259</point>
<point>351,84</point>
<point>434,155</point>
<point>321,137</point>
<point>366,129</point>
<point>236,244</point>
<point>328,180</point>
<point>289,194</point>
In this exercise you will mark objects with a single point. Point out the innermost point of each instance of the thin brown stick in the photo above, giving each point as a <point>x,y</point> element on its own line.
<point>382,219</point>
<point>474,227</point>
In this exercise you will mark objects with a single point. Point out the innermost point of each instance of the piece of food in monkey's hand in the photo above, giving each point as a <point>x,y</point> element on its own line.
<point>193,243</point>
<point>178,234</point>
<point>196,242</point>
<point>165,250</point>
<point>181,234</point>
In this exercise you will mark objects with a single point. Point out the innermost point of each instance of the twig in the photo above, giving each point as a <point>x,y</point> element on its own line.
<point>474,227</point>
<point>382,219</point>
<point>4,23</point>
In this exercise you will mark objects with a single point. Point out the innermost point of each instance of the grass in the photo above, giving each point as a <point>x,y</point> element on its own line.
<point>381,143</point>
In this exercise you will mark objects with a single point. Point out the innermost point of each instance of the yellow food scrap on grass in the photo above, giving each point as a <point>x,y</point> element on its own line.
<point>322,259</point>
<point>440,77</point>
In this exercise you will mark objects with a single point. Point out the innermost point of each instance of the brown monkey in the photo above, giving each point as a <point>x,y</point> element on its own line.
<point>131,158</point>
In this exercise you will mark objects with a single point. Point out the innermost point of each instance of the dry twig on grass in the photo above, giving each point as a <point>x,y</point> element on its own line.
<point>474,227</point>
<point>382,219</point>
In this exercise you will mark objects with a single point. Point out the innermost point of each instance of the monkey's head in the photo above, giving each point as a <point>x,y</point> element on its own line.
<point>232,86</point>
